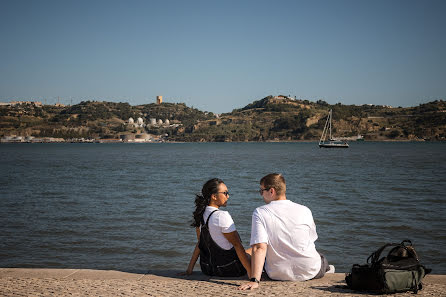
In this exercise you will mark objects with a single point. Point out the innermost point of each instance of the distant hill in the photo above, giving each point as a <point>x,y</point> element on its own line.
<point>285,119</point>
<point>273,118</point>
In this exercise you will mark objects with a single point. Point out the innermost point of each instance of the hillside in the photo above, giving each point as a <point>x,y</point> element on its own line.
<point>276,118</point>
<point>285,119</point>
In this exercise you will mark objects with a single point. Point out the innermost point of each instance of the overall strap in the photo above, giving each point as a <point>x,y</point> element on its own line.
<point>207,221</point>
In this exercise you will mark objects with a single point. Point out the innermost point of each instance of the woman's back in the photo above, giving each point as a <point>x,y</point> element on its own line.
<point>219,223</point>
<point>219,247</point>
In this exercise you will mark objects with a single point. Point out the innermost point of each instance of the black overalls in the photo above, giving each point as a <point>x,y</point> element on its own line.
<point>213,259</point>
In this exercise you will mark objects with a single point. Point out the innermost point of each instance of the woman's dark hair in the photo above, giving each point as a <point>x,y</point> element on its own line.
<point>202,200</point>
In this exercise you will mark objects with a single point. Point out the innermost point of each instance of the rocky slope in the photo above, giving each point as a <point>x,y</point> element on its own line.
<point>273,118</point>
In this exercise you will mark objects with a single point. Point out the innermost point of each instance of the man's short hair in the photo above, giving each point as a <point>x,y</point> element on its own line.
<point>276,181</point>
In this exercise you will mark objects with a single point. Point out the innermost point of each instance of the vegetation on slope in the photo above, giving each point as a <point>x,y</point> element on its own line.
<point>268,119</point>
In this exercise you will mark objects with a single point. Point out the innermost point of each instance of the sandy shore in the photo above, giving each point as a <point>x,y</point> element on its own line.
<point>84,282</point>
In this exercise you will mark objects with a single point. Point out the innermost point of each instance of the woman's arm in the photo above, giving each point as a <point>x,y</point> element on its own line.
<point>234,239</point>
<point>195,255</point>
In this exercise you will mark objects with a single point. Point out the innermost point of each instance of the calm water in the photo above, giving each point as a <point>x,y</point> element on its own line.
<point>128,206</point>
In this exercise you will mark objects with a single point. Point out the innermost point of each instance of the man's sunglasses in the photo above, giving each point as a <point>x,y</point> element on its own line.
<point>261,190</point>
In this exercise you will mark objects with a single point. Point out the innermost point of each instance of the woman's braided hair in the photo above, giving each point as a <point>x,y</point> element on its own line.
<point>202,200</point>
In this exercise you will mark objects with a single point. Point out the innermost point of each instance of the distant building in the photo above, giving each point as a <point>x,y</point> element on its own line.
<point>15,103</point>
<point>143,137</point>
<point>283,97</point>
<point>109,140</point>
<point>159,99</point>
<point>140,122</point>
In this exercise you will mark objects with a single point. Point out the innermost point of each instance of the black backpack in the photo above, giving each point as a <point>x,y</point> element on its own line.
<point>213,259</point>
<point>399,271</point>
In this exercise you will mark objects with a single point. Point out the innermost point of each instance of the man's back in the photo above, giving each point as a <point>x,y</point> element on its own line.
<point>289,230</point>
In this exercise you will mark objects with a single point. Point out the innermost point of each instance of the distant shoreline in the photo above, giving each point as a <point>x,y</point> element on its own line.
<point>268,141</point>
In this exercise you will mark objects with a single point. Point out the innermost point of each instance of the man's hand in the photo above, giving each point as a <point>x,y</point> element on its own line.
<point>249,286</point>
<point>257,261</point>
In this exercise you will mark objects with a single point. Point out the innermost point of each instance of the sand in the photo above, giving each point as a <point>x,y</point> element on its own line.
<point>84,282</point>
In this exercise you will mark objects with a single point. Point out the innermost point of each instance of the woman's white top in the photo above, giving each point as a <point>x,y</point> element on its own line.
<point>219,223</point>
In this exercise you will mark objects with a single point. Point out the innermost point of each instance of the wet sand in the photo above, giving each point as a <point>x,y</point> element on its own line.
<point>85,282</point>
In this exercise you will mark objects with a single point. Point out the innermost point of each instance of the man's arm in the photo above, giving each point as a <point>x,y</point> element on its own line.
<point>257,261</point>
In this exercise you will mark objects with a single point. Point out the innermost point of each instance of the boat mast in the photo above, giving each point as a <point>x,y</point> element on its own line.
<point>329,115</point>
<point>336,143</point>
<point>326,127</point>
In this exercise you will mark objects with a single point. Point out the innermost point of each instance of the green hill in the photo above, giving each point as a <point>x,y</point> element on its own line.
<point>273,118</point>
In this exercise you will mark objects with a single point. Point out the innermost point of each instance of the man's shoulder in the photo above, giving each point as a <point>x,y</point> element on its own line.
<point>266,208</point>
<point>261,208</point>
<point>297,205</point>
<point>282,205</point>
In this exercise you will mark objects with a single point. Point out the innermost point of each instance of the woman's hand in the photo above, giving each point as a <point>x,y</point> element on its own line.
<point>184,273</point>
<point>249,286</point>
<point>194,258</point>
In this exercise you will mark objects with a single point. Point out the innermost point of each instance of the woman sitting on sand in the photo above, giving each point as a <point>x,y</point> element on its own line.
<point>219,246</point>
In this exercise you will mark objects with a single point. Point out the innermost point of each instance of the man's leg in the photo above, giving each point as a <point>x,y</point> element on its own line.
<point>325,268</point>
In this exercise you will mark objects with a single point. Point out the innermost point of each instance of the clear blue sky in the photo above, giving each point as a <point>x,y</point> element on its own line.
<point>222,55</point>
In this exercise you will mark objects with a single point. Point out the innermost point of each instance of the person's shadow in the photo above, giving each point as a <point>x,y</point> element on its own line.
<point>199,276</point>
<point>340,288</point>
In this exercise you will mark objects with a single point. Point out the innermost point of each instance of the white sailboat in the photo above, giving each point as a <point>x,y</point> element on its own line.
<point>331,143</point>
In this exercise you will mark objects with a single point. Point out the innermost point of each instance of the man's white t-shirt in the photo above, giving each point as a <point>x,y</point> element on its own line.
<point>219,223</point>
<point>289,231</point>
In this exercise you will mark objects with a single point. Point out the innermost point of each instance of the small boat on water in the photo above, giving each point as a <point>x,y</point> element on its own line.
<point>331,142</point>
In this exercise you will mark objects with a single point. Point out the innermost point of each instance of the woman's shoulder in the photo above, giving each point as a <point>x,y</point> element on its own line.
<point>223,213</point>
<point>222,216</point>
<point>216,211</point>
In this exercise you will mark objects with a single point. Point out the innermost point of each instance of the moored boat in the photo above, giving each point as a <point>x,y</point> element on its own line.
<point>331,143</point>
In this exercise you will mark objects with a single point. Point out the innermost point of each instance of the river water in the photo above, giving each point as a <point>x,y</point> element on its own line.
<point>129,207</point>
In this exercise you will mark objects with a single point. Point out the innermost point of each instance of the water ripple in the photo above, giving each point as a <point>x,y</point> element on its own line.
<point>129,207</point>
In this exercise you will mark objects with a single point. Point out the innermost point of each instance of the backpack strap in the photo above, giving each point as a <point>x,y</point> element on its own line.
<point>416,286</point>
<point>408,241</point>
<point>375,257</point>
<point>207,221</point>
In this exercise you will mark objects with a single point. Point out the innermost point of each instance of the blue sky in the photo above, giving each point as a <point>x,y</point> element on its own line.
<point>221,55</point>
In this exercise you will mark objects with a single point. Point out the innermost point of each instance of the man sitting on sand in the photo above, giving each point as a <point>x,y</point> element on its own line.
<point>282,238</point>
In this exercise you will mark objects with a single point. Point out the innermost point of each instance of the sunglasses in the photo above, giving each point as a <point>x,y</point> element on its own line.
<point>261,190</point>
<point>225,193</point>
